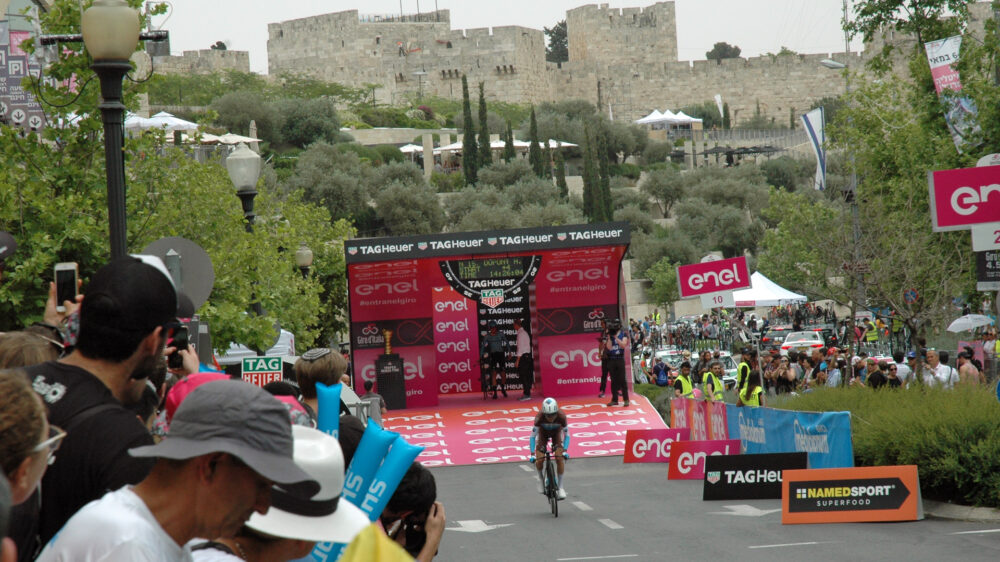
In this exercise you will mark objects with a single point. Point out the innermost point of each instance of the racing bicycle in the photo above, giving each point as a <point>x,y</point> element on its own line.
<point>550,486</point>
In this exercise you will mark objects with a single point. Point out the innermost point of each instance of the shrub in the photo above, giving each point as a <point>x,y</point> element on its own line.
<point>389,153</point>
<point>953,436</point>
<point>656,152</point>
<point>447,183</point>
<point>630,171</point>
<point>365,153</point>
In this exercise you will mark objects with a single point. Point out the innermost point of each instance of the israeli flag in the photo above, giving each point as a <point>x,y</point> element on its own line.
<point>813,122</point>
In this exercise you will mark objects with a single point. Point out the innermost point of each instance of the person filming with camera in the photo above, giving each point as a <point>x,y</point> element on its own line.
<point>616,344</point>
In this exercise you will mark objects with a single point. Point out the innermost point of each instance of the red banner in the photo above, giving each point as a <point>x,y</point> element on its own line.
<point>455,343</point>
<point>964,197</point>
<point>713,276</point>
<point>687,458</point>
<point>651,445</point>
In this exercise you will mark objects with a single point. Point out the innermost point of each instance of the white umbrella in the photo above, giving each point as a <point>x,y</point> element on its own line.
<point>557,143</point>
<point>969,322</point>
<point>230,138</point>
<point>168,122</point>
<point>135,123</point>
<point>411,148</point>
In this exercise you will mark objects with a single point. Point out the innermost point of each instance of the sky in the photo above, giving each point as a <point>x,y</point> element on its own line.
<point>756,26</point>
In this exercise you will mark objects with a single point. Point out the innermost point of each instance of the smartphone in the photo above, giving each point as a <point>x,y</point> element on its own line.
<point>66,274</point>
<point>180,341</point>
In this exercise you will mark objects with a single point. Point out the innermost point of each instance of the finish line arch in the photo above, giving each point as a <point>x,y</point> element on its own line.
<point>434,296</point>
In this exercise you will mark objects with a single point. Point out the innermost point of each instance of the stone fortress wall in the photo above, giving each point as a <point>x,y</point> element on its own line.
<point>626,59</point>
<point>204,61</point>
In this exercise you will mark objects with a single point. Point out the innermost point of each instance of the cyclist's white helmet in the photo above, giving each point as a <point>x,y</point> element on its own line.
<point>549,406</point>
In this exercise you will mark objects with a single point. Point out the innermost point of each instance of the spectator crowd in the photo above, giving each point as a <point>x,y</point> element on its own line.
<point>109,454</point>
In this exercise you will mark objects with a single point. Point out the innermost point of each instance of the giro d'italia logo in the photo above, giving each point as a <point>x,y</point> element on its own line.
<point>492,297</point>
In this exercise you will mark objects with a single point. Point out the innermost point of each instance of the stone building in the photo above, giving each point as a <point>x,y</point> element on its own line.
<point>204,61</point>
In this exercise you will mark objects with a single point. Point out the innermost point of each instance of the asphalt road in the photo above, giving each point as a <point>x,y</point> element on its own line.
<point>629,512</point>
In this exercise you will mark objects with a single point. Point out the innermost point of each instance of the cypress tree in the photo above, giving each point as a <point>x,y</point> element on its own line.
<point>561,175</point>
<point>604,168</point>
<point>591,181</point>
<point>725,116</point>
<point>469,151</point>
<point>485,151</point>
<point>547,160</point>
<point>508,146</point>
<point>535,150</point>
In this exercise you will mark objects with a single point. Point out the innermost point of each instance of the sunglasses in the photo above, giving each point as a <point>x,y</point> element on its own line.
<point>56,435</point>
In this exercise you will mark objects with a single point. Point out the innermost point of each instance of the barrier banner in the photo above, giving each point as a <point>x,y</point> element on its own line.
<point>687,458</point>
<point>749,477</point>
<point>826,436</point>
<point>455,347</point>
<point>851,495</point>
<point>706,420</point>
<point>651,445</point>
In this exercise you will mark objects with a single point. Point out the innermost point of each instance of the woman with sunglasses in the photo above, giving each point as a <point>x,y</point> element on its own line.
<point>27,442</point>
<point>27,446</point>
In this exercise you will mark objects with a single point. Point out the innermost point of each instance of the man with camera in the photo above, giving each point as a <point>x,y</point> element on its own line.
<point>616,344</point>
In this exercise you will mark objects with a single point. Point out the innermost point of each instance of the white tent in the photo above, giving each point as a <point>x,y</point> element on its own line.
<point>411,148</point>
<point>653,117</point>
<point>764,292</point>
<point>230,138</point>
<point>683,118</point>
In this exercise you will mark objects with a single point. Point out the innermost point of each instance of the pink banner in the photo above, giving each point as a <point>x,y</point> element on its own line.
<point>455,347</point>
<point>713,277</point>
<point>418,372</point>
<point>571,365</point>
<point>706,420</point>
<point>389,290</point>
<point>687,458</point>
<point>573,277</point>
<point>718,425</point>
<point>964,197</point>
<point>651,445</point>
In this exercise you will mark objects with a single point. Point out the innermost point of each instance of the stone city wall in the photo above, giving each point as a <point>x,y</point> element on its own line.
<point>622,35</point>
<point>205,61</point>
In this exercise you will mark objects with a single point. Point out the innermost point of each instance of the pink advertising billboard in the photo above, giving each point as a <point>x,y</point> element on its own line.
<point>713,277</point>
<point>964,197</point>
<point>652,445</point>
<point>440,294</point>
<point>687,458</point>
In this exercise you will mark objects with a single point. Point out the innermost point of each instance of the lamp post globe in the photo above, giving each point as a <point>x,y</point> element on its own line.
<point>304,259</point>
<point>243,166</point>
<point>111,32</point>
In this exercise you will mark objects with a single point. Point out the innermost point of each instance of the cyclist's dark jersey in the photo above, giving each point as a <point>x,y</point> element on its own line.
<point>550,430</point>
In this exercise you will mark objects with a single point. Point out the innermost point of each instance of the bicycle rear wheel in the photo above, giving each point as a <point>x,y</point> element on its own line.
<point>552,486</point>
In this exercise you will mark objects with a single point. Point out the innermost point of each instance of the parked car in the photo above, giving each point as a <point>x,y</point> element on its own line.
<point>775,335</point>
<point>801,341</point>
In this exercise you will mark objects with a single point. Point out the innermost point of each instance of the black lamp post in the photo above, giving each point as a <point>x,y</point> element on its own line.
<point>110,32</point>
<point>243,166</point>
<point>304,259</point>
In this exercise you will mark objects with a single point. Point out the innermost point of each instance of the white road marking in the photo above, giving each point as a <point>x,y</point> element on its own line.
<point>792,544</point>
<point>610,524</point>
<point>582,506</point>
<point>744,510</point>
<point>476,526</point>
<point>599,557</point>
<point>976,532</point>
<point>527,468</point>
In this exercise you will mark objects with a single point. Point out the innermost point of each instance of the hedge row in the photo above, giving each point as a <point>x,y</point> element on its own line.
<point>953,436</point>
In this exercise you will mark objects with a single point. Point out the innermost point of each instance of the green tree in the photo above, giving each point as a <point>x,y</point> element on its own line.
<point>547,159</point>
<point>923,20</point>
<point>723,50</point>
<point>485,151</point>
<point>304,122</point>
<point>333,178</point>
<point>665,186</point>
<point>508,145</point>
<point>726,119</point>
<point>470,153</point>
<point>665,290</point>
<point>592,200</point>
<point>503,174</point>
<point>561,174</point>
<point>535,150</point>
<point>237,109</point>
<point>558,48</point>
<point>406,209</point>
<point>604,172</point>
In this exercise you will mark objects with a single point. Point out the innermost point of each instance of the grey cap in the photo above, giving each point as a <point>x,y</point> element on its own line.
<point>241,419</point>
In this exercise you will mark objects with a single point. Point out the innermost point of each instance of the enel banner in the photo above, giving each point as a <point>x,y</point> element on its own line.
<point>651,445</point>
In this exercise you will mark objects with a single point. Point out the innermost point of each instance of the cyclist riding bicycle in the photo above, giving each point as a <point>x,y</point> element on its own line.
<point>550,424</point>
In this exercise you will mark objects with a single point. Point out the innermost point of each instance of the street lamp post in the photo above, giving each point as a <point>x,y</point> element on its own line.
<point>304,259</point>
<point>243,166</point>
<point>856,267</point>
<point>420,84</point>
<point>110,32</point>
